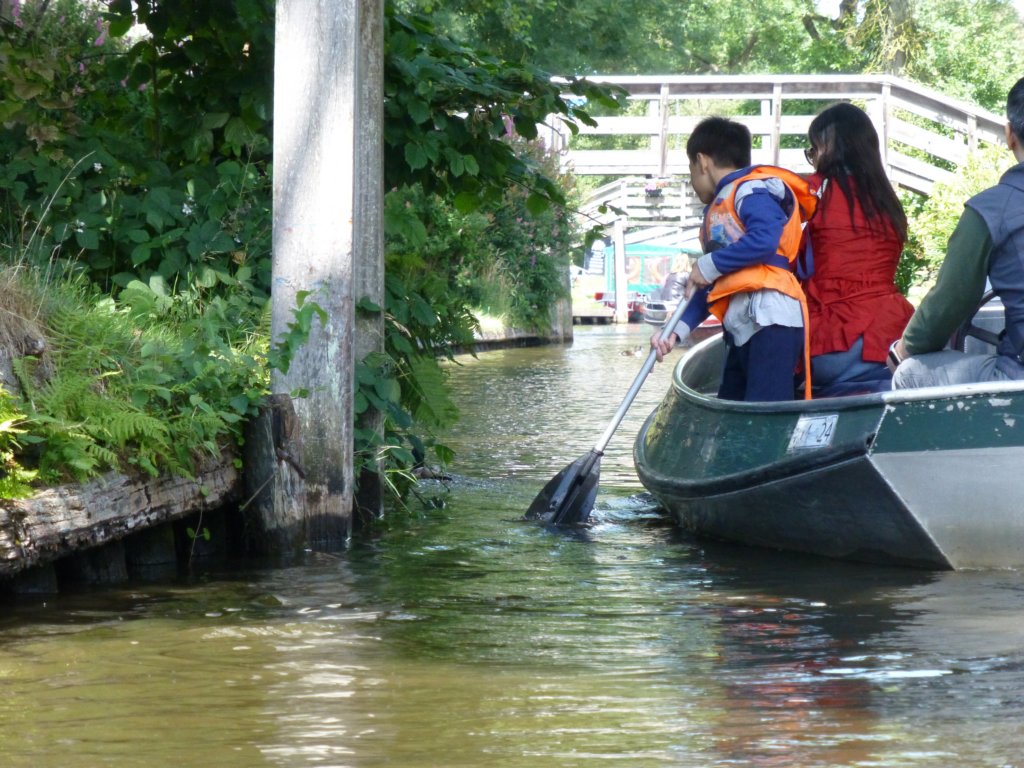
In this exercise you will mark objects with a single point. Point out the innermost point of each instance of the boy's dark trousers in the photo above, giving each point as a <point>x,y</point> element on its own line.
<point>762,369</point>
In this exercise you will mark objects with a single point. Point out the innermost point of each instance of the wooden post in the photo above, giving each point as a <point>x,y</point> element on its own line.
<point>320,110</point>
<point>767,146</point>
<point>776,122</point>
<point>663,113</point>
<point>368,273</point>
<point>878,112</point>
<point>619,238</point>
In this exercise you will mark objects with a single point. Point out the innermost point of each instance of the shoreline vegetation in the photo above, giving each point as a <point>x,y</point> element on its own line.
<point>140,237</point>
<point>100,454</point>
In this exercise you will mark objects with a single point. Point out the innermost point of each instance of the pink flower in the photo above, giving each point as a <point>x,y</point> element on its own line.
<point>103,33</point>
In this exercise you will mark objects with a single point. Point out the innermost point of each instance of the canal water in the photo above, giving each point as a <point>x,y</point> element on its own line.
<point>465,637</point>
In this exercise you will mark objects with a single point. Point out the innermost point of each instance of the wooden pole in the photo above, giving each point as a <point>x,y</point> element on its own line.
<point>321,108</point>
<point>368,275</point>
<point>776,122</point>
<point>619,239</point>
<point>663,113</point>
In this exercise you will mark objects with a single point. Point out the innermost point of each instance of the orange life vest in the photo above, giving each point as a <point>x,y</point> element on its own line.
<point>722,225</point>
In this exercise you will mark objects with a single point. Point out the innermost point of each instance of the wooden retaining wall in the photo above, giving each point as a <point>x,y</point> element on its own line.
<point>70,519</point>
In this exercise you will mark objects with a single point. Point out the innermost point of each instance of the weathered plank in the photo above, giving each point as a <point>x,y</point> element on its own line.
<point>70,518</point>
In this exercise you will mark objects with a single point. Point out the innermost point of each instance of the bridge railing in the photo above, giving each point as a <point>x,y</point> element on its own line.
<point>647,202</point>
<point>925,138</point>
<point>925,135</point>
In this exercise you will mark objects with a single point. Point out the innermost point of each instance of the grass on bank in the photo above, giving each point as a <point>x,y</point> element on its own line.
<point>146,386</point>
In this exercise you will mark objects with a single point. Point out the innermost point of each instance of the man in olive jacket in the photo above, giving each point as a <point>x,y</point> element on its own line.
<point>988,243</point>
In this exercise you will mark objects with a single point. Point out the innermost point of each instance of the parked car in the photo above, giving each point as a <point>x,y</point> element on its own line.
<point>657,312</point>
<point>635,303</point>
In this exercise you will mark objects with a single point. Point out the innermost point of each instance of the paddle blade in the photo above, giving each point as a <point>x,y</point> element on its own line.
<point>569,496</point>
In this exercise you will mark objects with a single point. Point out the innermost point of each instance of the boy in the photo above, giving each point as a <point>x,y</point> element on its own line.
<point>750,236</point>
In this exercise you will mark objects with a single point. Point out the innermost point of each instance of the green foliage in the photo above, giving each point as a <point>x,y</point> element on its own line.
<point>533,252</point>
<point>281,354</point>
<point>15,480</point>
<point>469,224</point>
<point>969,50</point>
<point>117,390</point>
<point>447,107</point>
<point>933,222</point>
<point>651,37</point>
<point>106,172</point>
<point>121,179</point>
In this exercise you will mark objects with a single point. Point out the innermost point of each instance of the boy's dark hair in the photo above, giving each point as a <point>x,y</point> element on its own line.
<point>1015,109</point>
<point>851,158</point>
<point>724,141</point>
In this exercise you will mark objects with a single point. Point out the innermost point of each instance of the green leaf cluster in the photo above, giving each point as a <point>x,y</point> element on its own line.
<point>15,480</point>
<point>116,390</point>
<point>448,107</point>
<point>934,219</point>
<point>103,161</point>
<point>971,49</point>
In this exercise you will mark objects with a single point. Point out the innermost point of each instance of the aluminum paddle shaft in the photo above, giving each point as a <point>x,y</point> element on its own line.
<point>638,382</point>
<point>569,496</point>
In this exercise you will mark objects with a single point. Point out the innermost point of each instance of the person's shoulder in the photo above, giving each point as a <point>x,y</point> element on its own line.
<point>1011,179</point>
<point>763,182</point>
<point>995,201</point>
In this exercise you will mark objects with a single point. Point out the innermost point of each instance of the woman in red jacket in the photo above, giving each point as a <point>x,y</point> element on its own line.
<point>856,237</point>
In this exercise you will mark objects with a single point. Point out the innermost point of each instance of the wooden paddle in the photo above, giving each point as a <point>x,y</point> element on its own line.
<point>568,498</point>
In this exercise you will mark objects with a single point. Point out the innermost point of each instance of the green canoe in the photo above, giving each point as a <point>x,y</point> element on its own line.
<point>926,478</point>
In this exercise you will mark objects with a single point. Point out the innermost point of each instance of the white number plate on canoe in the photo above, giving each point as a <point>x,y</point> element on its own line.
<point>813,431</point>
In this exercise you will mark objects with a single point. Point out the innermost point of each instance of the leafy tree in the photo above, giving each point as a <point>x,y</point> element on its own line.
<point>448,107</point>
<point>462,162</point>
<point>106,171</point>
<point>635,36</point>
<point>934,222</point>
<point>969,48</point>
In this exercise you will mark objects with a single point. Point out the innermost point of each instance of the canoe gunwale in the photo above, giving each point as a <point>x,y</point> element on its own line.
<point>848,402</point>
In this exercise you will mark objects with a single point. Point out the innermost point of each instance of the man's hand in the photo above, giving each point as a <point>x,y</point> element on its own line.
<point>897,354</point>
<point>662,348</point>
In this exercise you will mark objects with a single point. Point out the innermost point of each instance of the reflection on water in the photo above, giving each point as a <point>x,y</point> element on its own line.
<point>537,409</point>
<point>468,638</point>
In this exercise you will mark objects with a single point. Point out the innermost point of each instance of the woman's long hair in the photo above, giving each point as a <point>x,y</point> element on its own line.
<point>848,150</point>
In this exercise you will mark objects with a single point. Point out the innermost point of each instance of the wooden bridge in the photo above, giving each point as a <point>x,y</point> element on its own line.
<point>925,137</point>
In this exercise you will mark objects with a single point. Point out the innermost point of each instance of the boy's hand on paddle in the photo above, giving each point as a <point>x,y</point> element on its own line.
<point>662,348</point>
<point>695,281</point>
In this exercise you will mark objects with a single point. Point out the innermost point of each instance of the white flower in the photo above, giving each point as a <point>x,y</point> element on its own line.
<point>97,167</point>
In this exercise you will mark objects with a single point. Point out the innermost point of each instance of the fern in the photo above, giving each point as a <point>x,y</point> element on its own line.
<point>100,455</point>
<point>14,479</point>
<point>434,407</point>
<point>146,385</point>
<point>129,424</point>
